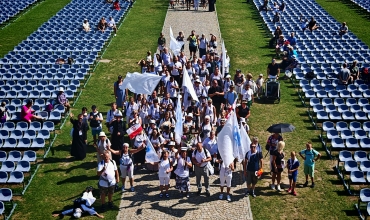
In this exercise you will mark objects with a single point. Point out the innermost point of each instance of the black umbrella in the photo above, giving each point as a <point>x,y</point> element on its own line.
<point>281,128</point>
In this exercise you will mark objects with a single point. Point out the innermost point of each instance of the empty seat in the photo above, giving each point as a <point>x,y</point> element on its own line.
<point>8,126</point>
<point>24,143</point>
<point>3,177</point>
<point>16,177</point>
<point>23,166</point>
<point>10,143</point>
<point>38,143</point>
<point>365,166</point>
<point>7,166</point>
<point>16,134</point>
<point>6,195</point>
<point>360,156</point>
<point>29,155</point>
<point>14,156</point>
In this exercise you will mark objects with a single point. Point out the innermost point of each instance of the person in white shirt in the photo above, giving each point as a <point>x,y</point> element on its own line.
<point>201,157</point>
<point>164,171</point>
<point>248,95</point>
<point>102,145</point>
<point>203,45</point>
<point>259,84</point>
<point>110,116</point>
<point>112,24</point>
<point>227,83</point>
<point>210,143</point>
<point>126,164</point>
<point>131,107</point>
<point>86,26</point>
<point>154,112</point>
<point>182,171</point>
<point>108,177</point>
<point>176,66</point>
<point>226,174</point>
<point>171,88</point>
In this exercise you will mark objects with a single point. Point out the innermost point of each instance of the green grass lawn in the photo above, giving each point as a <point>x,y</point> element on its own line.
<point>246,42</point>
<point>60,179</point>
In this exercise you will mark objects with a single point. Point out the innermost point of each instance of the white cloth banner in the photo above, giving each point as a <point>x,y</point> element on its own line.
<point>186,82</point>
<point>175,46</point>
<point>224,61</point>
<point>151,155</point>
<point>178,126</point>
<point>141,83</point>
<point>225,141</point>
<point>245,143</point>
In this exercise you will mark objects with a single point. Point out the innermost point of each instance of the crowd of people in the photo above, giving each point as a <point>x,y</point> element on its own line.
<point>195,3</point>
<point>203,120</point>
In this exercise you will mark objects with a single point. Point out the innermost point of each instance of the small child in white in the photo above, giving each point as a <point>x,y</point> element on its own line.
<point>226,174</point>
<point>259,84</point>
<point>164,171</point>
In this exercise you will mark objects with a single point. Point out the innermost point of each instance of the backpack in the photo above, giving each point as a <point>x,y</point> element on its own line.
<point>94,123</point>
<point>205,152</point>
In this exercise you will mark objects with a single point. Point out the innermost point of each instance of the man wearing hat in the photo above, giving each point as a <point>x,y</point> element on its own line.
<point>95,119</point>
<point>152,126</point>
<point>62,99</point>
<point>244,124</point>
<point>189,121</point>
<point>227,83</point>
<point>102,145</point>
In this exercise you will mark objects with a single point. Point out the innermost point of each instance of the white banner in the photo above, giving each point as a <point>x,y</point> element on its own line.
<point>225,141</point>
<point>175,46</point>
<point>186,82</point>
<point>151,155</point>
<point>141,83</point>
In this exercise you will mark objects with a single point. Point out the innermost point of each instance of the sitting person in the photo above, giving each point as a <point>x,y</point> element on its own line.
<point>86,26</point>
<point>27,113</point>
<point>292,40</point>
<point>116,5</point>
<point>60,61</point>
<point>81,205</point>
<point>4,114</point>
<point>355,71</point>
<point>344,75</point>
<point>112,24</point>
<point>70,60</point>
<point>109,1</point>
<point>102,24</point>
<point>304,23</point>
<point>293,63</point>
<point>312,25</point>
<point>62,100</point>
<point>276,17</point>
<point>343,29</point>
<point>279,45</point>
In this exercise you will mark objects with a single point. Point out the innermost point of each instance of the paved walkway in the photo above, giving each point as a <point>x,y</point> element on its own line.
<point>145,202</point>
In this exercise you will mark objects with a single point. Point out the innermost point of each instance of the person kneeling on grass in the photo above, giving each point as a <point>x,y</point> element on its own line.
<point>165,168</point>
<point>226,174</point>
<point>126,165</point>
<point>292,165</point>
<point>81,205</point>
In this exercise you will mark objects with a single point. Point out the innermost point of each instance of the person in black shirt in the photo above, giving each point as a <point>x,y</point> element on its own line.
<point>273,70</point>
<point>216,93</point>
<point>243,111</point>
<point>194,109</point>
<point>253,162</point>
<point>117,135</point>
<point>161,42</point>
<point>312,25</point>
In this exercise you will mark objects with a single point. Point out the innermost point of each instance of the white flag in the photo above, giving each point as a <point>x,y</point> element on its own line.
<point>178,126</point>
<point>175,46</point>
<point>151,155</point>
<point>155,61</point>
<point>186,82</point>
<point>225,141</point>
<point>224,62</point>
<point>245,142</point>
<point>141,83</point>
<point>236,137</point>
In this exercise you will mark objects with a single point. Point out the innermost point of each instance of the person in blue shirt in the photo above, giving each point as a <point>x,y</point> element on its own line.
<point>292,166</point>
<point>292,39</point>
<point>252,164</point>
<point>310,156</point>
<point>230,96</point>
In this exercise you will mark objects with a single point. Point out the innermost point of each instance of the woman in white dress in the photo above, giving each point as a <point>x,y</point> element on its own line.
<point>182,171</point>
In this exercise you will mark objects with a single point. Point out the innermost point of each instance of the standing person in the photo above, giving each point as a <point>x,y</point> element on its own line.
<point>79,134</point>
<point>120,92</point>
<point>226,174</point>
<point>95,119</point>
<point>126,165</point>
<point>344,75</point>
<point>216,93</point>
<point>108,177</point>
<point>102,145</point>
<point>118,132</point>
<point>130,108</point>
<point>230,96</point>
<point>242,111</point>
<point>252,163</point>
<point>271,145</point>
<point>259,84</point>
<point>182,171</point>
<point>309,162</point>
<point>196,5</point>
<point>248,94</point>
<point>201,158</point>
<point>273,70</point>
<point>203,45</point>
<point>277,165</point>
<point>239,81</point>
<point>140,140</point>
<point>164,171</point>
<point>193,43</point>
<point>292,166</point>
<point>110,116</point>
<point>211,5</point>
<point>180,39</point>
<point>161,42</point>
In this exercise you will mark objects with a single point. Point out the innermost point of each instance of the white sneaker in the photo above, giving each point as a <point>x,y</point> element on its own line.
<point>221,196</point>
<point>228,198</point>
<point>278,188</point>
<point>272,186</point>
<point>123,189</point>
<point>115,34</point>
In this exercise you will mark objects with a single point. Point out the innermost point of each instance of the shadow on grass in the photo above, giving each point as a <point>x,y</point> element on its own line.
<point>85,165</point>
<point>76,179</point>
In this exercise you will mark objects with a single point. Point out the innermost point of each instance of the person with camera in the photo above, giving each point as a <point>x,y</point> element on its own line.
<point>95,119</point>
<point>108,177</point>
<point>81,205</point>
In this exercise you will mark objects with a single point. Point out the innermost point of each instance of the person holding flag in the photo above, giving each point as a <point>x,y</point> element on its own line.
<point>226,174</point>
<point>140,140</point>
